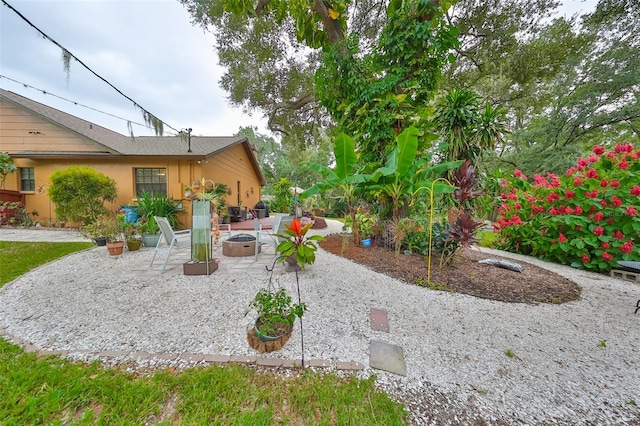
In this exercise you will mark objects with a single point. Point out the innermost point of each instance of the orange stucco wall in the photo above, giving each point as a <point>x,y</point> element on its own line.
<point>16,135</point>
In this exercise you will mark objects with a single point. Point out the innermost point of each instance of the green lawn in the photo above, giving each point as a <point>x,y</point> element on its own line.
<point>52,390</point>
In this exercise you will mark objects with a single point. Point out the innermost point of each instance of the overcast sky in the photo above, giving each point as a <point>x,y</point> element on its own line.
<point>148,49</point>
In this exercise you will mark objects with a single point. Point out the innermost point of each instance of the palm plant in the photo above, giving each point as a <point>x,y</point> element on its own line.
<point>150,205</point>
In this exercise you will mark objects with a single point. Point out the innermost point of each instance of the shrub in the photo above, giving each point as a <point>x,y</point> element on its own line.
<point>587,218</point>
<point>80,192</point>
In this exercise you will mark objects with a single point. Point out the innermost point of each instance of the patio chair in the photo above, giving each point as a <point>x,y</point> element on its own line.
<point>177,239</point>
<point>264,237</point>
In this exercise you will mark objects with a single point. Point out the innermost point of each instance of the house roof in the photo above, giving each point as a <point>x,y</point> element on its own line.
<point>116,144</point>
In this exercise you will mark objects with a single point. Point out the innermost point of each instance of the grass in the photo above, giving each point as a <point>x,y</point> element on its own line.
<point>51,390</point>
<point>17,258</point>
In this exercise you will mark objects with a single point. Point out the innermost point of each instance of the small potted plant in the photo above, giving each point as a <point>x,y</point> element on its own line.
<point>96,231</point>
<point>130,231</point>
<point>276,314</point>
<point>149,230</point>
<point>298,249</point>
<point>113,234</point>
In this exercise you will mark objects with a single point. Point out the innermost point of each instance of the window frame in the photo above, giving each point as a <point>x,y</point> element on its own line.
<point>156,184</point>
<point>31,179</point>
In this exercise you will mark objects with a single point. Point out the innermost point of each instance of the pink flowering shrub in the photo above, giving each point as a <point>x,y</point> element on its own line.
<point>587,218</point>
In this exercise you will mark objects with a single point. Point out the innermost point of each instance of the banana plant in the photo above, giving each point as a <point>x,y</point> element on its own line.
<point>344,177</point>
<point>404,172</point>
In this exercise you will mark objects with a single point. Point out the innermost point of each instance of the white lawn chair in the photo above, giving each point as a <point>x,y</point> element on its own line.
<point>264,237</point>
<point>177,239</point>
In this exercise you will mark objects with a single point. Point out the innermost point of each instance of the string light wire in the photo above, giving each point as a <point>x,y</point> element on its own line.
<point>67,53</point>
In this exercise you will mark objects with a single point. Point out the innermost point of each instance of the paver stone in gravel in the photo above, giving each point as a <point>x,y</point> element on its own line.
<point>379,320</point>
<point>384,356</point>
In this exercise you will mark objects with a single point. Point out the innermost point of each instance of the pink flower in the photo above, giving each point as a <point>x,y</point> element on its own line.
<point>614,183</point>
<point>627,247</point>
<point>598,216</point>
<point>571,171</point>
<point>604,183</point>
<point>616,201</point>
<point>606,256</point>
<point>623,165</point>
<point>605,245</point>
<point>618,235</point>
<point>593,174</point>
<point>517,173</point>
<point>517,206</point>
<point>598,150</point>
<point>598,231</point>
<point>603,203</point>
<point>578,210</point>
<point>585,258</point>
<point>577,182</point>
<point>631,211</point>
<point>635,190</point>
<point>562,239</point>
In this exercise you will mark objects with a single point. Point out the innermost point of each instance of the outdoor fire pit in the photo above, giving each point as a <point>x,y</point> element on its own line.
<point>240,245</point>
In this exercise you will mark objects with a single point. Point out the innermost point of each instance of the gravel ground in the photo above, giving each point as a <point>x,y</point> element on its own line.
<point>469,360</point>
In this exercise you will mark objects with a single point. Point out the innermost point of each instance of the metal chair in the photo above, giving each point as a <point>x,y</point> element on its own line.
<point>264,237</point>
<point>177,239</point>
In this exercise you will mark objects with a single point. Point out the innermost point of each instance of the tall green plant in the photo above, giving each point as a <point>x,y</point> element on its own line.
<point>343,177</point>
<point>404,172</point>
<point>80,192</point>
<point>150,205</point>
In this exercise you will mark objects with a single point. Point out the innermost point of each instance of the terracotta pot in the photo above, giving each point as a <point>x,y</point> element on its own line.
<point>115,248</point>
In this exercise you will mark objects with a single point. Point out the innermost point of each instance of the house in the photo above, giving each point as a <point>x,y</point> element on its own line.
<point>41,139</point>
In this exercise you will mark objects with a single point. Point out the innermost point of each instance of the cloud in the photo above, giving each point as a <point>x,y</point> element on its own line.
<point>147,49</point>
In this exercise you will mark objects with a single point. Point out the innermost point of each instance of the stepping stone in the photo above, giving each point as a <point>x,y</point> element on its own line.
<point>379,320</point>
<point>384,356</point>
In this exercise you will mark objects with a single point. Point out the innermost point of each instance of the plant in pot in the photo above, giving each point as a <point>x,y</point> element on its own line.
<point>131,233</point>
<point>276,315</point>
<point>96,231</point>
<point>150,205</point>
<point>113,234</point>
<point>298,249</point>
<point>149,231</point>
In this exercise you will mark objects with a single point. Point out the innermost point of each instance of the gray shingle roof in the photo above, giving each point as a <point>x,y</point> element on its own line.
<point>118,144</point>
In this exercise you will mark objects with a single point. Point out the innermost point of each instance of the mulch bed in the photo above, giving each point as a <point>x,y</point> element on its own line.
<point>465,275</point>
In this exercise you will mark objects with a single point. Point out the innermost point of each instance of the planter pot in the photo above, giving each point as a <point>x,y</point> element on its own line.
<point>263,343</point>
<point>150,240</point>
<point>292,264</point>
<point>100,241</point>
<point>134,245</point>
<point>200,268</point>
<point>115,248</point>
<point>366,242</point>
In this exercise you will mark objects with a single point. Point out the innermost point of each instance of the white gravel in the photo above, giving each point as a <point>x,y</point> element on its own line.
<point>575,363</point>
